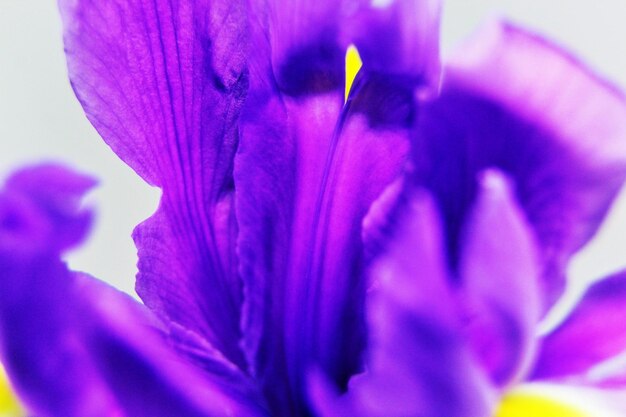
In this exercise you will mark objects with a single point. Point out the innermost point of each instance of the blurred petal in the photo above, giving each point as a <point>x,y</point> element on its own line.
<point>595,331</point>
<point>73,346</point>
<point>501,282</point>
<point>513,101</point>
<point>162,82</point>
<point>306,171</point>
<point>418,364</point>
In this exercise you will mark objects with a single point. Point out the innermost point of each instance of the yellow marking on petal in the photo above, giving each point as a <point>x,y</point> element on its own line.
<point>353,65</point>
<point>9,405</point>
<point>518,404</point>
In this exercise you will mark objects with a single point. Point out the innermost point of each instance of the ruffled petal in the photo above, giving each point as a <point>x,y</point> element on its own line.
<point>501,282</point>
<point>595,331</point>
<point>306,171</point>
<point>417,362</point>
<point>513,101</point>
<point>163,82</point>
<point>74,346</point>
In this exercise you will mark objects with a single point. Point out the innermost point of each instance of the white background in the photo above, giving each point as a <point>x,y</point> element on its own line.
<point>40,118</point>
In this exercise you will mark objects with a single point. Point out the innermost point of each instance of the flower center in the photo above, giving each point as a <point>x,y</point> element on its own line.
<point>517,404</point>
<point>353,65</point>
<point>9,405</point>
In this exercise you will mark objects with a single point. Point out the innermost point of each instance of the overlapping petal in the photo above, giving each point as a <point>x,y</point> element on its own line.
<point>512,100</point>
<point>418,363</point>
<point>162,81</point>
<point>307,170</point>
<point>594,332</point>
<point>74,346</point>
<point>501,282</point>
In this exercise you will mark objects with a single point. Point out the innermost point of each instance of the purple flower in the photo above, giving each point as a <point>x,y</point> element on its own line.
<point>390,255</point>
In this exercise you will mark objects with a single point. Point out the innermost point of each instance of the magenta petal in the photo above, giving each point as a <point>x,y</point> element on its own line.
<point>162,82</point>
<point>501,282</point>
<point>417,362</point>
<point>593,332</point>
<point>73,346</point>
<point>513,101</point>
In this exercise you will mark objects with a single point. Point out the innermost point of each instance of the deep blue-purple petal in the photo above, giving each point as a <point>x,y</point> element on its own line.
<point>512,100</point>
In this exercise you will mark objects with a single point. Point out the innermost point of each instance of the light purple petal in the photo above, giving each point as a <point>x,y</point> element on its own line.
<point>501,282</point>
<point>163,82</point>
<point>513,101</point>
<point>76,347</point>
<point>307,170</point>
<point>417,363</point>
<point>593,332</point>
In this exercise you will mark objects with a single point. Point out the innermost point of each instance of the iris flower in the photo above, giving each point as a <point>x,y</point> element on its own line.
<point>389,253</point>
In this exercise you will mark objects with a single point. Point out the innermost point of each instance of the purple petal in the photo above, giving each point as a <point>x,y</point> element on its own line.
<point>307,170</point>
<point>594,331</point>
<point>76,347</point>
<point>163,82</point>
<point>418,363</point>
<point>513,101</point>
<point>501,282</point>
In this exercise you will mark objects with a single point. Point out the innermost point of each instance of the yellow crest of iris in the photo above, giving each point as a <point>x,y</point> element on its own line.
<point>353,65</point>
<point>519,404</point>
<point>9,405</point>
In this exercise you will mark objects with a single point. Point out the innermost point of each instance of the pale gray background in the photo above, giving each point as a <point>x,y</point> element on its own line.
<point>41,119</point>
